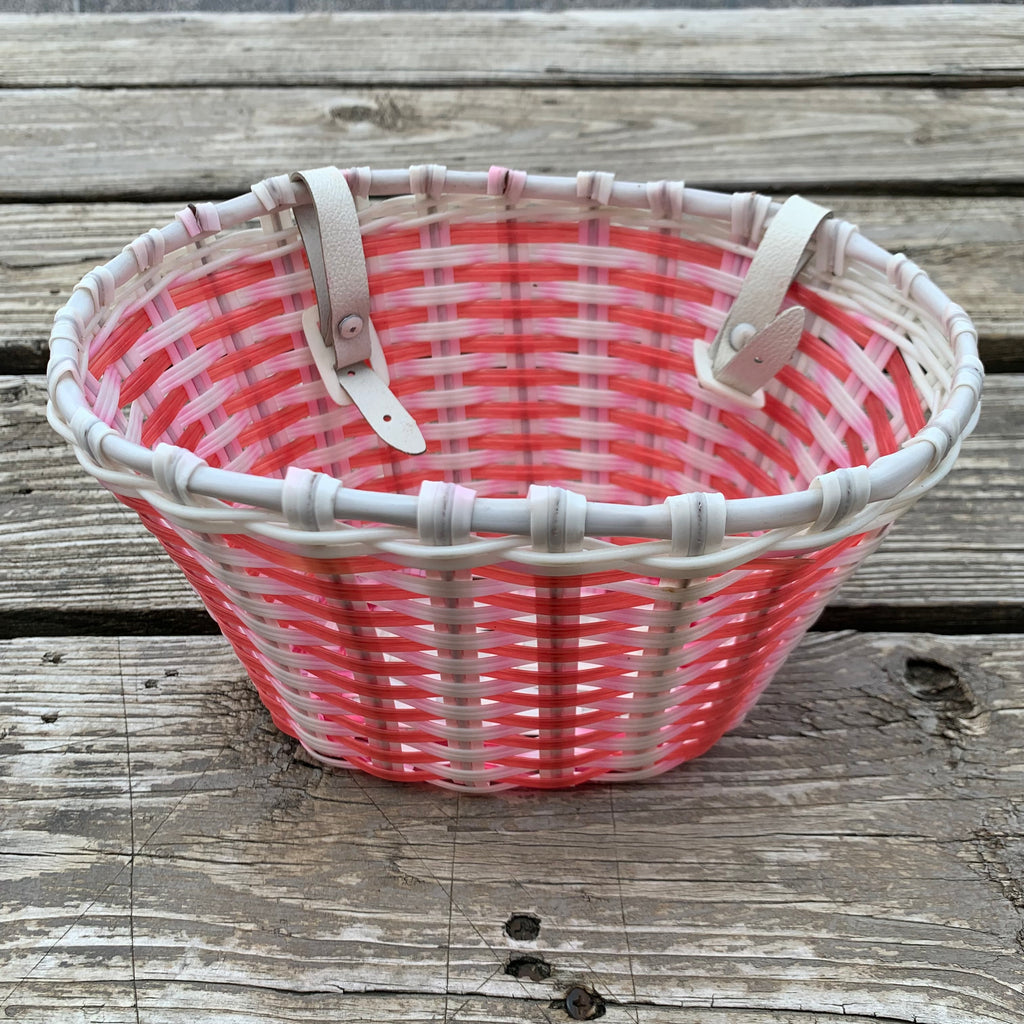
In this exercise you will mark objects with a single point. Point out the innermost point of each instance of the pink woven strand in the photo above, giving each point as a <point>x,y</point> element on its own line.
<point>501,181</point>
<point>594,231</point>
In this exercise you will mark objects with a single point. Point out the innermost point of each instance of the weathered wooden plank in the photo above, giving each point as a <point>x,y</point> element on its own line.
<point>74,558</point>
<point>44,251</point>
<point>963,46</point>
<point>973,248</point>
<point>181,1002</point>
<point>159,143</point>
<point>852,849</point>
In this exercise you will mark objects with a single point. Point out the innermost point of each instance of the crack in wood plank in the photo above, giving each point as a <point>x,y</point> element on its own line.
<point>451,904</point>
<point>622,899</point>
<point>131,823</point>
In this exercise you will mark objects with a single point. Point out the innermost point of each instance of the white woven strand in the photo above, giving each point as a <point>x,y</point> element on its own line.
<point>595,186</point>
<point>557,524</point>
<point>100,285</point>
<point>428,180</point>
<point>558,519</point>
<point>89,434</point>
<point>942,432</point>
<point>844,493</point>
<point>173,469</point>
<point>833,239</point>
<point>444,515</point>
<point>903,272</point>
<point>275,192</point>
<point>308,499</point>
<point>359,181</point>
<point>510,184</point>
<point>697,523</point>
<point>148,249</point>
<point>667,199</point>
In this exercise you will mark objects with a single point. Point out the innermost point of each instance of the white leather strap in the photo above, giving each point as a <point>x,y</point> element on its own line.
<point>345,339</point>
<point>756,341</point>
<point>329,226</point>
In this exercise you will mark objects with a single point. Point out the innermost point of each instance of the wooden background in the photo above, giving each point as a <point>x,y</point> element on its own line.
<point>853,851</point>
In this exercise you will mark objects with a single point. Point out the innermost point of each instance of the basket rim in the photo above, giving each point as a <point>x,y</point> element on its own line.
<point>922,461</point>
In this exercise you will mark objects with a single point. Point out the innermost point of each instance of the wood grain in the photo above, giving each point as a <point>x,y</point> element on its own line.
<point>851,853</point>
<point>972,248</point>
<point>75,559</point>
<point>961,46</point>
<point>182,1002</point>
<point>154,143</point>
<point>853,850</point>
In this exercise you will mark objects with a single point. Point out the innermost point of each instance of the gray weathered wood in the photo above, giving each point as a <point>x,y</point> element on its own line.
<point>963,46</point>
<point>162,143</point>
<point>214,1002</point>
<point>852,850</point>
<point>71,553</point>
<point>973,248</point>
<point>851,853</point>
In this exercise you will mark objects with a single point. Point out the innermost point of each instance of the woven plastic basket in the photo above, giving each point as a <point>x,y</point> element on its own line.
<point>661,427</point>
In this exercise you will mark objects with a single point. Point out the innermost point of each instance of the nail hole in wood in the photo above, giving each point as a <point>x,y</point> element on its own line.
<point>529,968</point>
<point>936,683</point>
<point>523,927</point>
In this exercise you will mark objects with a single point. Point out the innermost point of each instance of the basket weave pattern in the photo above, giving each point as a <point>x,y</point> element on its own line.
<point>545,350</point>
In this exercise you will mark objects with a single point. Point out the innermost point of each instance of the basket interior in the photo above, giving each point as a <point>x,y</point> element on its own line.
<point>531,345</point>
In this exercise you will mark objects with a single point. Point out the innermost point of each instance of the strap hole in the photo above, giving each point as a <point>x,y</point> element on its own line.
<point>387,417</point>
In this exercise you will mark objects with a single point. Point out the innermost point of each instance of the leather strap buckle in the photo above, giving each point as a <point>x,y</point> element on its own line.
<point>345,347</point>
<point>757,340</point>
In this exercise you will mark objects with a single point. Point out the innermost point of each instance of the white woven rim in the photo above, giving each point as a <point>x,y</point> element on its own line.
<point>887,487</point>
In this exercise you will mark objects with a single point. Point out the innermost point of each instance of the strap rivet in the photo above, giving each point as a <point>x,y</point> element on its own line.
<point>741,334</point>
<point>350,326</point>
